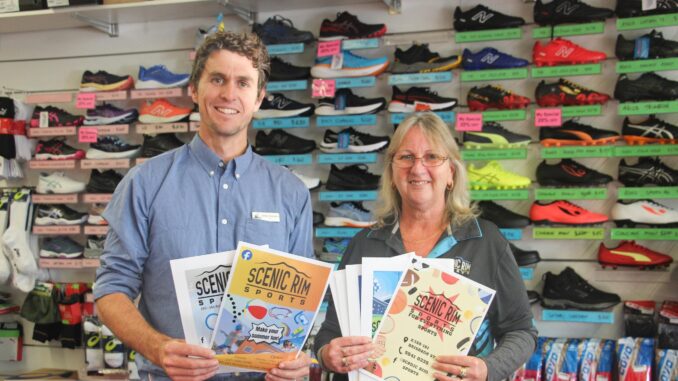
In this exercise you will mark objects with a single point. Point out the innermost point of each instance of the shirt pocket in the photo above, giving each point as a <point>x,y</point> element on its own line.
<point>274,234</point>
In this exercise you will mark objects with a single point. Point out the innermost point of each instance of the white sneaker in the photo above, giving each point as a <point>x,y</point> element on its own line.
<point>310,182</point>
<point>645,212</point>
<point>58,183</point>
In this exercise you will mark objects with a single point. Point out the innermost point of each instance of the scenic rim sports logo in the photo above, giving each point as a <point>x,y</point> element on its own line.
<point>278,281</point>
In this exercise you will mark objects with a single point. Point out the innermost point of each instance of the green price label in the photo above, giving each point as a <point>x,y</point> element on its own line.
<point>646,150</point>
<point>641,108</point>
<point>569,30</point>
<point>501,115</point>
<point>571,194</point>
<point>578,151</point>
<point>494,154</point>
<point>648,234</point>
<point>566,70</point>
<point>497,194</point>
<point>642,66</point>
<point>647,192</point>
<point>646,22</point>
<point>568,233</point>
<point>489,35</point>
<point>495,74</point>
<point>590,110</point>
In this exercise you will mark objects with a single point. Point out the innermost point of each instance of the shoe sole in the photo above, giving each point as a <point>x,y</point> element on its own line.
<point>424,67</point>
<point>49,156</point>
<point>41,189</point>
<point>378,33</point>
<point>54,254</point>
<point>43,221</point>
<point>122,85</point>
<point>348,187</point>
<point>267,114</point>
<point>556,183</point>
<point>563,304</point>
<point>353,110</point>
<point>353,149</point>
<point>654,266</point>
<point>400,107</point>
<point>325,71</point>
<point>494,186</point>
<point>474,105</point>
<point>280,151</point>
<point>153,84</point>
<point>102,121</point>
<point>347,222</point>
<point>540,63</point>
<point>97,154</point>
<point>596,142</point>
<point>555,101</point>
<point>159,119</point>
<point>96,220</point>
<point>633,224</point>
<point>639,140</point>
<point>474,145</point>
<point>527,259</point>
<point>551,223</point>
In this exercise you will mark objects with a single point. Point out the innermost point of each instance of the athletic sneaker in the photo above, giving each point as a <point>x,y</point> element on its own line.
<point>57,149</point>
<point>569,173</point>
<point>493,176</point>
<point>94,216</point>
<point>533,296</point>
<point>285,71</point>
<point>502,217</point>
<point>334,249</point>
<point>494,135</point>
<point>419,98</point>
<point>481,17</point>
<point>311,183</point>
<point>160,143</point>
<point>572,133</point>
<point>490,58</point>
<point>112,147</point>
<point>643,212</point>
<point>563,212</point>
<point>276,105</point>
<point>58,214</point>
<point>58,183</point>
<point>350,214</point>
<point>647,171</point>
<point>568,11</point>
<point>629,253</point>
<point>568,290</point>
<point>103,182</point>
<point>419,59</point>
<point>352,177</point>
<point>648,46</point>
<point>280,142</point>
<point>524,257</point>
<point>162,111</point>
<point>649,86</point>
<point>159,77</point>
<point>567,93</point>
<point>281,30</point>
<point>349,140</point>
<point>95,246</point>
<point>56,117</point>
<point>651,130</point>
<point>60,247</point>
<point>318,218</point>
<point>103,81</point>
<point>634,8</point>
<point>347,103</point>
<point>109,114</point>
<point>352,66</point>
<point>563,52</point>
<point>347,26</point>
<point>493,96</point>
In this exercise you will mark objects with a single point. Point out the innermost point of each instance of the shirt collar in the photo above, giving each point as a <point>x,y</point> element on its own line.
<point>390,234</point>
<point>211,162</point>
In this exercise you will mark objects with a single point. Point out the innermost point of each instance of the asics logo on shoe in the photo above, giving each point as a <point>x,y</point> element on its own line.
<point>482,17</point>
<point>635,256</point>
<point>576,172</point>
<point>657,212</point>
<point>564,51</point>
<point>653,174</point>
<point>490,58</point>
<point>567,8</point>
<point>656,131</point>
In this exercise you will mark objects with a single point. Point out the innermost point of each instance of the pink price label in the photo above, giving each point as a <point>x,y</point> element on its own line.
<point>548,117</point>
<point>86,101</point>
<point>323,88</point>
<point>329,48</point>
<point>87,135</point>
<point>469,122</point>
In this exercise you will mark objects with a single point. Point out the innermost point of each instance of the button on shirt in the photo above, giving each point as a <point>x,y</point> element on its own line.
<point>187,203</point>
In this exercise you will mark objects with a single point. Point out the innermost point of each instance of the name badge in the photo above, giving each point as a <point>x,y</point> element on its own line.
<point>266,216</point>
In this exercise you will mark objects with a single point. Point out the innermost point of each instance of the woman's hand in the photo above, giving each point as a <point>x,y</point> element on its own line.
<point>346,354</point>
<point>454,368</point>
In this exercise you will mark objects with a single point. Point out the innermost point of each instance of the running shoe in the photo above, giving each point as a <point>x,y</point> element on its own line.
<point>493,176</point>
<point>649,86</point>
<point>60,247</point>
<point>350,214</point>
<point>56,117</point>
<point>651,130</point>
<point>159,77</point>
<point>419,59</point>
<point>276,105</point>
<point>112,147</point>
<point>162,111</point>
<point>109,114</point>
<point>568,290</point>
<point>648,46</point>
<point>490,58</point>
<point>103,81</point>
<point>569,173</point>
<point>103,181</point>
<point>634,8</point>
<point>352,66</point>
<point>347,26</point>
<point>524,257</point>
<point>568,11</point>
<point>281,30</point>
<point>563,52</point>
<point>352,177</point>
<point>418,98</point>
<point>501,216</point>
<point>629,253</point>
<point>347,103</point>
<point>95,246</point>
<point>493,96</point>
<point>160,143</point>
<point>567,93</point>
<point>285,71</point>
<point>311,183</point>
<point>57,149</point>
<point>481,17</point>
<point>494,135</point>
<point>58,214</point>
<point>572,133</point>
<point>647,171</point>
<point>334,249</point>
<point>643,212</point>
<point>94,214</point>
<point>280,142</point>
<point>58,183</point>
<point>351,141</point>
<point>563,212</point>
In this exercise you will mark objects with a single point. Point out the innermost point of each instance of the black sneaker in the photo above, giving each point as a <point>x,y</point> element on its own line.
<point>569,173</point>
<point>276,105</point>
<point>160,143</point>
<point>494,135</point>
<point>568,11</point>
<point>57,149</point>
<point>407,101</point>
<point>634,8</point>
<point>568,290</point>
<point>6,108</point>
<point>349,140</point>
<point>651,130</point>
<point>352,177</point>
<point>347,26</point>
<point>533,296</point>
<point>347,103</point>
<point>56,117</point>
<point>419,59</point>
<point>576,134</point>
<point>524,257</point>
<point>58,214</point>
<point>280,30</point>
<point>481,17</point>
<point>649,86</point>
<point>104,81</point>
<point>647,171</point>
<point>318,218</point>
<point>567,93</point>
<point>502,217</point>
<point>103,182</point>
<point>279,142</point>
<point>112,147</point>
<point>648,46</point>
<point>285,71</point>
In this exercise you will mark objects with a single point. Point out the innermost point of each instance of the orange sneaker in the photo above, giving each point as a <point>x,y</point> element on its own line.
<point>161,111</point>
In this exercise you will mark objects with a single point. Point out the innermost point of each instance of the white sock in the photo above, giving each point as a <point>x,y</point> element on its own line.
<point>114,355</point>
<point>15,238</point>
<point>94,353</point>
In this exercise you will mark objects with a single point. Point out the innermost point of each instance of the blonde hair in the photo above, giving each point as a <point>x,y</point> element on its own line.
<point>458,208</point>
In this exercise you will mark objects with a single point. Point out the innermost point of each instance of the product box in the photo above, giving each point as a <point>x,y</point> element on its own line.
<point>668,325</point>
<point>532,369</point>
<point>561,360</point>
<point>667,365</point>
<point>639,318</point>
<point>11,342</point>
<point>634,359</point>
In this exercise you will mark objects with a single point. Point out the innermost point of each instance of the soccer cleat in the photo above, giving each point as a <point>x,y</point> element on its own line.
<point>563,52</point>
<point>103,182</point>
<point>649,86</point>
<point>58,214</point>
<point>569,173</point>
<point>347,26</point>
<point>649,46</point>
<point>285,71</point>
<point>567,93</point>
<point>419,59</point>
<point>112,147</point>
<point>159,77</point>
<point>352,66</point>
<point>160,143</point>
<point>643,212</point>
<point>352,141</point>
<point>281,30</point>
<point>563,212</point>
<point>572,133</point>
<point>493,96</point>
<point>60,247</point>
<point>162,111</point>
<point>58,183</point>
<point>490,58</point>
<point>347,103</point>
<point>279,142</point>
<point>494,135</point>
<point>103,81</point>
<point>568,11</point>
<point>524,257</point>
<point>351,177</point>
<point>311,183</point>
<point>568,290</point>
<point>629,253</point>
<point>276,105</point>
<point>417,99</point>
<point>56,149</point>
<point>493,176</point>
<point>648,171</point>
<point>481,17</point>
<point>349,214</point>
<point>109,114</point>
<point>56,117</point>
<point>502,217</point>
<point>634,8</point>
<point>651,130</point>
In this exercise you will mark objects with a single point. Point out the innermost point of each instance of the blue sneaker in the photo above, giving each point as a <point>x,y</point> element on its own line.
<point>60,247</point>
<point>490,58</point>
<point>158,77</point>
<point>334,249</point>
<point>280,30</point>
<point>351,214</point>
<point>352,66</point>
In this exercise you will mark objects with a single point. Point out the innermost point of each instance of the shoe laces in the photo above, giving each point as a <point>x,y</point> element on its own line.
<point>283,20</point>
<point>346,15</point>
<point>576,280</point>
<point>358,205</point>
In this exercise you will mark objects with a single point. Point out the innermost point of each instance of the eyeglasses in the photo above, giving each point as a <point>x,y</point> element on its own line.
<point>428,160</point>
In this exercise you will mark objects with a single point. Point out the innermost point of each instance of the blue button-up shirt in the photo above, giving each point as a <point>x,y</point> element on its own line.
<point>186,203</point>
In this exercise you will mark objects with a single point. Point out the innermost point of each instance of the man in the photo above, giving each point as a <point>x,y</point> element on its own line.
<point>201,198</point>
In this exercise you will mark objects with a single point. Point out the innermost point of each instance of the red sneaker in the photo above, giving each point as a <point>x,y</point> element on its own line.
<point>563,52</point>
<point>563,212</point>
<point>629,253</point>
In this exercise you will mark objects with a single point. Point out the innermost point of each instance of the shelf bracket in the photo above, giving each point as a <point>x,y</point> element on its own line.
<point>394,6</point>
<point>109,28</point>
<point>239,11</point>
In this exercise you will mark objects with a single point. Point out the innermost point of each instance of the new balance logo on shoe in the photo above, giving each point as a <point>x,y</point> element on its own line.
<point>567,8</point>
<point>280,103</point>
<point>489,58</point>
<point>564,51</point>
<point>278,140</point>
<point>3,111</point>
<point>482,17</point>
<point>161,110</point>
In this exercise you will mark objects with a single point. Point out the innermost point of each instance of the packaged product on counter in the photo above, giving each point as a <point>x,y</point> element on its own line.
<point>639,318</point>
<point>667,365</point>
<point>561,360</point>
<point>634,359</point>
<point>668,325</point>
<point>531,370</point>
<point>597,360</point>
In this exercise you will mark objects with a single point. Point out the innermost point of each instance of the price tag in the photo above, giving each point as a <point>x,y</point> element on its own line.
<point>86,101</point>
<point>469,122</point>
<point>323,88</point>
<point>548,117</point>
<point>88,135</point>
<point>329,48</point>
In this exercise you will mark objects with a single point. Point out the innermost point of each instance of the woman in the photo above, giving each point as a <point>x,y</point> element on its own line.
<point>424,207</point>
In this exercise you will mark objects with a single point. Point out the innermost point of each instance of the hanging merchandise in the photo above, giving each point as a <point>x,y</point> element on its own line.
<point>15,242</point>
<point>40,307</point>
<point>5,266</point>
<point>24,145</point>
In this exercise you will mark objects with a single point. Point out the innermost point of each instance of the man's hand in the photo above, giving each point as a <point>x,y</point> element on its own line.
<point>290,370</point>
<point>187,362</point>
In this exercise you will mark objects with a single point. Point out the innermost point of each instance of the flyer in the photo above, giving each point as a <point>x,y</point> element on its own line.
<point>269,306</point>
